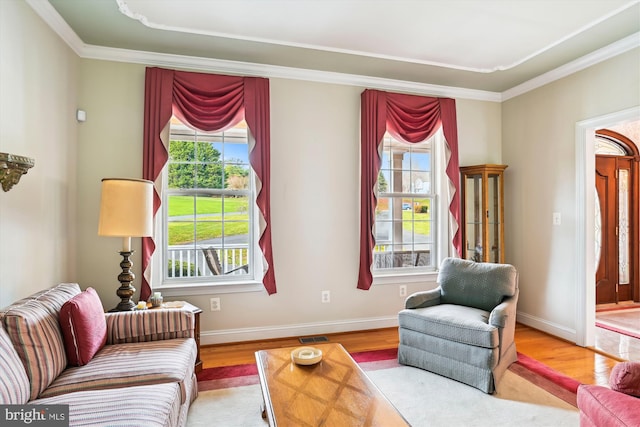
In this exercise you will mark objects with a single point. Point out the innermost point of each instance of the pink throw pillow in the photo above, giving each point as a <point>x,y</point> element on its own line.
<point>84,327</point>
<point>625,378</point>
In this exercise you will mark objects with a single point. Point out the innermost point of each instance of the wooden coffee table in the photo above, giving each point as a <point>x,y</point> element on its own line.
<point>334,392</point>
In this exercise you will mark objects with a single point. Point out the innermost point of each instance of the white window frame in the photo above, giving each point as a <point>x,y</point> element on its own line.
<point>251,282</point>
<point>440,211</point>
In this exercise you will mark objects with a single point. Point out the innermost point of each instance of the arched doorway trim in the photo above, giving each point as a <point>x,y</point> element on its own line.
<point>585,206</point>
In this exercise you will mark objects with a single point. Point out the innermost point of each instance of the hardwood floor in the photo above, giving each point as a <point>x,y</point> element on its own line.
<point>583,364</point>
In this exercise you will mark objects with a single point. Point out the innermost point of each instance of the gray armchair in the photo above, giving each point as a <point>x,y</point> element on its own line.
<point>464,329</point>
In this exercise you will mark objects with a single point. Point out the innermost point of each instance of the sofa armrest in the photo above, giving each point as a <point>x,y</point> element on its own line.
<point>505,312</point>
<point>423,299</point>
<point>149,325</point>
<point>602,406</point>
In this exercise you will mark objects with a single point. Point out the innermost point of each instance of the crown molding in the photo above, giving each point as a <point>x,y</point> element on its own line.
<point>275,71</point>
<point>593,58</point>
<point>46,11</point>
<point>52,18</point>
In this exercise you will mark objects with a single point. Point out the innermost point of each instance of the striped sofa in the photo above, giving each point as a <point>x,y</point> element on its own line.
<point>143,376</point>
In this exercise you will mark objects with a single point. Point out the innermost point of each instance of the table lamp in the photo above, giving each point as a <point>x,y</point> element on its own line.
<point>126,210</point>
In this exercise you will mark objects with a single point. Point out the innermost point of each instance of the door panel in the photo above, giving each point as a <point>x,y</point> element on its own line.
<point>607,268</point>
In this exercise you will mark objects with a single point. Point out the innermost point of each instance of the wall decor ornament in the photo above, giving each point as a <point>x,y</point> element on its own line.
<point>12,167</point>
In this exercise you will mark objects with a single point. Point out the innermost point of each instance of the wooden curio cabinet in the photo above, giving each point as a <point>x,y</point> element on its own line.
<point>483,213</point>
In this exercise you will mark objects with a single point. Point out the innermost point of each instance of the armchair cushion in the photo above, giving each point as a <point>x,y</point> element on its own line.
<point>625,378</point>
<point>490,283</point>
<point>83,327</point>
<point>455,323</point>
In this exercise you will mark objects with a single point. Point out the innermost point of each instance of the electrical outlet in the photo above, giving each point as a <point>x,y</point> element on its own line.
<point>326,297</point>
<point>215,304</point>
<point>403,290</point>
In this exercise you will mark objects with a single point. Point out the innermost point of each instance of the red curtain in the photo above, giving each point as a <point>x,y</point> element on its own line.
<point>410,118</point>
<point>207,102</point>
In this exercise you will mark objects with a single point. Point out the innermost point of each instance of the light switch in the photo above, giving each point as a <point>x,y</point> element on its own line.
<point>557,218</point>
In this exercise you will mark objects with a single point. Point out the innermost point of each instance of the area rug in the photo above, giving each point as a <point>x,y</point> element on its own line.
<point>530,394</point>
<point>625,322</point>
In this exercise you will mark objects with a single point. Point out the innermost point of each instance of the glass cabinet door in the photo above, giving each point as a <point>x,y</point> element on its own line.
<point>483,211</point>
<point>494,218</point>
<point>473,214</point>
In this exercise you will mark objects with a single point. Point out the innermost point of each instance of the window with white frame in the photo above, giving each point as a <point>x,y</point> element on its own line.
<point>405,219</point>
<point>208,195</point>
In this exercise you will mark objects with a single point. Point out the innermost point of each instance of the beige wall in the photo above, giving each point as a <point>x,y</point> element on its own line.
<point>37,119</point>
<point>48,222</point>
<point>538,144</point>
<point>315,200</point>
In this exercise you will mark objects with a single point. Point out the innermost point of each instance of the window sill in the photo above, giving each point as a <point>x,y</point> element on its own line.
<point>195,288</point>
<point>394,278</point>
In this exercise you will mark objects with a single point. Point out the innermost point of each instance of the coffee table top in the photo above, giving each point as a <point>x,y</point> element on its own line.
<point>333,392</point>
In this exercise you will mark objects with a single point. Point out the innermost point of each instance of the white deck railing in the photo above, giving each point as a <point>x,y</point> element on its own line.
<point>184,261</point>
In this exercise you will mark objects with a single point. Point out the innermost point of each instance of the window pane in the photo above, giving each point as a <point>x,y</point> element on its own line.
<point>180,206</point>
<point>208,233</point>
<point>623,230</point>
<point>183,262</point>
<point>237,176</point>
<point>403,223</point>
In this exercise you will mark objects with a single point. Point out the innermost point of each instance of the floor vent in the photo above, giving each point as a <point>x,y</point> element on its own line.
<point>309,340</point>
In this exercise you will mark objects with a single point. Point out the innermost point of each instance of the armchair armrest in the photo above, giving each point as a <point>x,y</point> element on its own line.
<point>505,312</point>
<point>423,299</point>
<point>149,325</point>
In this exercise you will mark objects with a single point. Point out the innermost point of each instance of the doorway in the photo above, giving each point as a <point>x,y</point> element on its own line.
<point>616,218</point>
<point>585,219</point>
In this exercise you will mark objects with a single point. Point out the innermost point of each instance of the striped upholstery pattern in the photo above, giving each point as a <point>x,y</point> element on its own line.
<point>125,365</point>
<point>149,325</point>
<point>148,406</point>
<point>143,378</point>
<point>52,297</point>
<point>14,384</point>
<point>35,333</point>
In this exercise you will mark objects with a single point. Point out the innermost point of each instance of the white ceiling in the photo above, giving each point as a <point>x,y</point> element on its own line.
<point>490,45</point>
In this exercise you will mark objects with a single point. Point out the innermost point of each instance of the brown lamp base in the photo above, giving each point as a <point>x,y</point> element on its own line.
<point>125,291</point>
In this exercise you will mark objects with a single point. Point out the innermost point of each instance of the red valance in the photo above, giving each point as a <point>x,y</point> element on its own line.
<point>410,118</point>
<point>208,102</point>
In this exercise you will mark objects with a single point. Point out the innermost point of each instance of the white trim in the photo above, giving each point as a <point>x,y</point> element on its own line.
<point>546,326</point>
<point>208,289</point>
<point>123,7</point>
<point>585,287</point>
<point>593,58</point>
<point>51,16</point>
<point>47,12</point>
<point>404,277</point>
<point>296,330</point>
<point>276,71</point>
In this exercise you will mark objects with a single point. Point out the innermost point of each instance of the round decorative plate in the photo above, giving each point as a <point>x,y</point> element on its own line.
<point>306,355</point>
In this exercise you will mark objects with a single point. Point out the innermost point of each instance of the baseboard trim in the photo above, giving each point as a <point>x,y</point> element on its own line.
<point>303,329</point>
<point>349,325</point>
<point>546,326</point>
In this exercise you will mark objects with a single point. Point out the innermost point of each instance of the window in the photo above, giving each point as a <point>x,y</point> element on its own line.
<point>405,224</point>
<point>208,195</point>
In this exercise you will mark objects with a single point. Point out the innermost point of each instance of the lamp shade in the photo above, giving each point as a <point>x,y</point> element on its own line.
<point>126,208</point>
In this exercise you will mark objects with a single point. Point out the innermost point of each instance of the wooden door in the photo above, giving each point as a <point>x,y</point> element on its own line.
<point>607,267</point>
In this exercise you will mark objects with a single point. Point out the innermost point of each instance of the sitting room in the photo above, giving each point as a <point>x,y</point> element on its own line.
<point>293,181</point>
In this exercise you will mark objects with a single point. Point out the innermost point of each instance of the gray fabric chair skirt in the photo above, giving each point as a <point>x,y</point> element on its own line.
<point>478,367</point>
